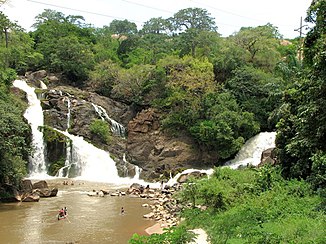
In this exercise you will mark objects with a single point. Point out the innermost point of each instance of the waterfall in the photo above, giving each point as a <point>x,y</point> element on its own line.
<point>83,160</point>
<point>89,162</point>
<point>138,171</point>
<point>116,128</point>
<point>42,85</point>
<point>34,116</point>
<point>68,113</point>
<point>250,153</point>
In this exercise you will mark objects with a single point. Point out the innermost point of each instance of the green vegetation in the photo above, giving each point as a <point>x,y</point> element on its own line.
<point>101,129</point>
<point>249,206</point>
<point>175,235</point>
<point>255,206</point>
<point>14,133</point>
<point>218,91</point>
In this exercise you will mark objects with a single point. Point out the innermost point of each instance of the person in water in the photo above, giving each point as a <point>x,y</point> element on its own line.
<point>122,210</point>
<point>65,210</point>
<point>61,214</point>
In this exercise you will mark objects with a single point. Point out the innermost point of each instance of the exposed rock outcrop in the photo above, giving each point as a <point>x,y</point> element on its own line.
<point>146,144</point>
<point>157,152</point>
<point>268,156</point>
<point>27,191</point>
<point>82,114</point>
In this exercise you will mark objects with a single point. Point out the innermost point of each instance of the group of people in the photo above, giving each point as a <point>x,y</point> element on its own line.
<point>63,212</point>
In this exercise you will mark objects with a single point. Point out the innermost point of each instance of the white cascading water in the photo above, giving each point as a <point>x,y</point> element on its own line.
<point>64,171</point>
<point>95,164</point>
<point>34,116</point>
<point>68,113</point>
<point>90,162</point>
<point>116,128</point>
<point>250,153</point>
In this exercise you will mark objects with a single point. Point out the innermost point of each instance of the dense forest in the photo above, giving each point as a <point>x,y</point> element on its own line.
<point>219,90</point>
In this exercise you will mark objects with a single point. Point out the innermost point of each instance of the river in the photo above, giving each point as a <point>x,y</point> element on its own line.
<point>90,219</point>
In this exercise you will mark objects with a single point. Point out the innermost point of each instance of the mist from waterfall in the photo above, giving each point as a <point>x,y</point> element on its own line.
<point>34,116</point>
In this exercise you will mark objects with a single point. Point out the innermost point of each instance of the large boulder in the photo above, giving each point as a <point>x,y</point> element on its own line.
<point>195,174</point>
<point>46,192</point>
<point>30,197</point>
<point>40,185</point>
<point>41,189</point>
<point>26,186</point>
<point>268,156</point>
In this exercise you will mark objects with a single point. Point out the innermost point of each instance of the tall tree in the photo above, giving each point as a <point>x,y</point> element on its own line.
<point>156,26</point>
<point>302,131</point>
<point>261,45</point>
<point>193,18</point>
<point>65,43</point>
<point>123,28</point>
<point>192,24</point>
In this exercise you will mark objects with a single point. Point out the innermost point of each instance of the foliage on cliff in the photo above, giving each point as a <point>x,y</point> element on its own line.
<point>14,133</point>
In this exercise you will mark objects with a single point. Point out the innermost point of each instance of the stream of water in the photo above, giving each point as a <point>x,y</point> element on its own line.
<point>90,219</point>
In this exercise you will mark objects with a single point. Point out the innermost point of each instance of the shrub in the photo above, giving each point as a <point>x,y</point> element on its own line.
<point>101,129</point>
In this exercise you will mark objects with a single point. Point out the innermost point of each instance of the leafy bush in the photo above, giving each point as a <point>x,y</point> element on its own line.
<point>101,129</point>
<point>173,235</point>
<point>257,206</point>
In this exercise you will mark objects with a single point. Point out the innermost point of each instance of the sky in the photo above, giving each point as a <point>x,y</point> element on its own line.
<point>229,15</point>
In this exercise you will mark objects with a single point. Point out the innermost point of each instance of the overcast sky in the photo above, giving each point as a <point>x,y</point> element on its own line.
<point>230,15</point>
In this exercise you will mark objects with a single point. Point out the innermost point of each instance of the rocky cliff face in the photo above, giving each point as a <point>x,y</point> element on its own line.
<point>158,152</point>
<point>145,145</point>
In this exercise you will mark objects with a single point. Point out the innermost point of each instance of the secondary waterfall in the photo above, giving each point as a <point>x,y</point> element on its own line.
<point>116,128</point>
<point>89,162</point>
<point>250,153</point>
<point>34,116</point>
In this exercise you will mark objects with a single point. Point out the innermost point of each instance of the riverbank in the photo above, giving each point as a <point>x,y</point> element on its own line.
<point>154,229</point>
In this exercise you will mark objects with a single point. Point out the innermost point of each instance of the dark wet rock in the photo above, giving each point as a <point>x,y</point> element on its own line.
<point>26,186</point>
<point>40,185</point>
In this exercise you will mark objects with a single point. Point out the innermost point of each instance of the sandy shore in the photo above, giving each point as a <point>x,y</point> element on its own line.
<point>155,229</point>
